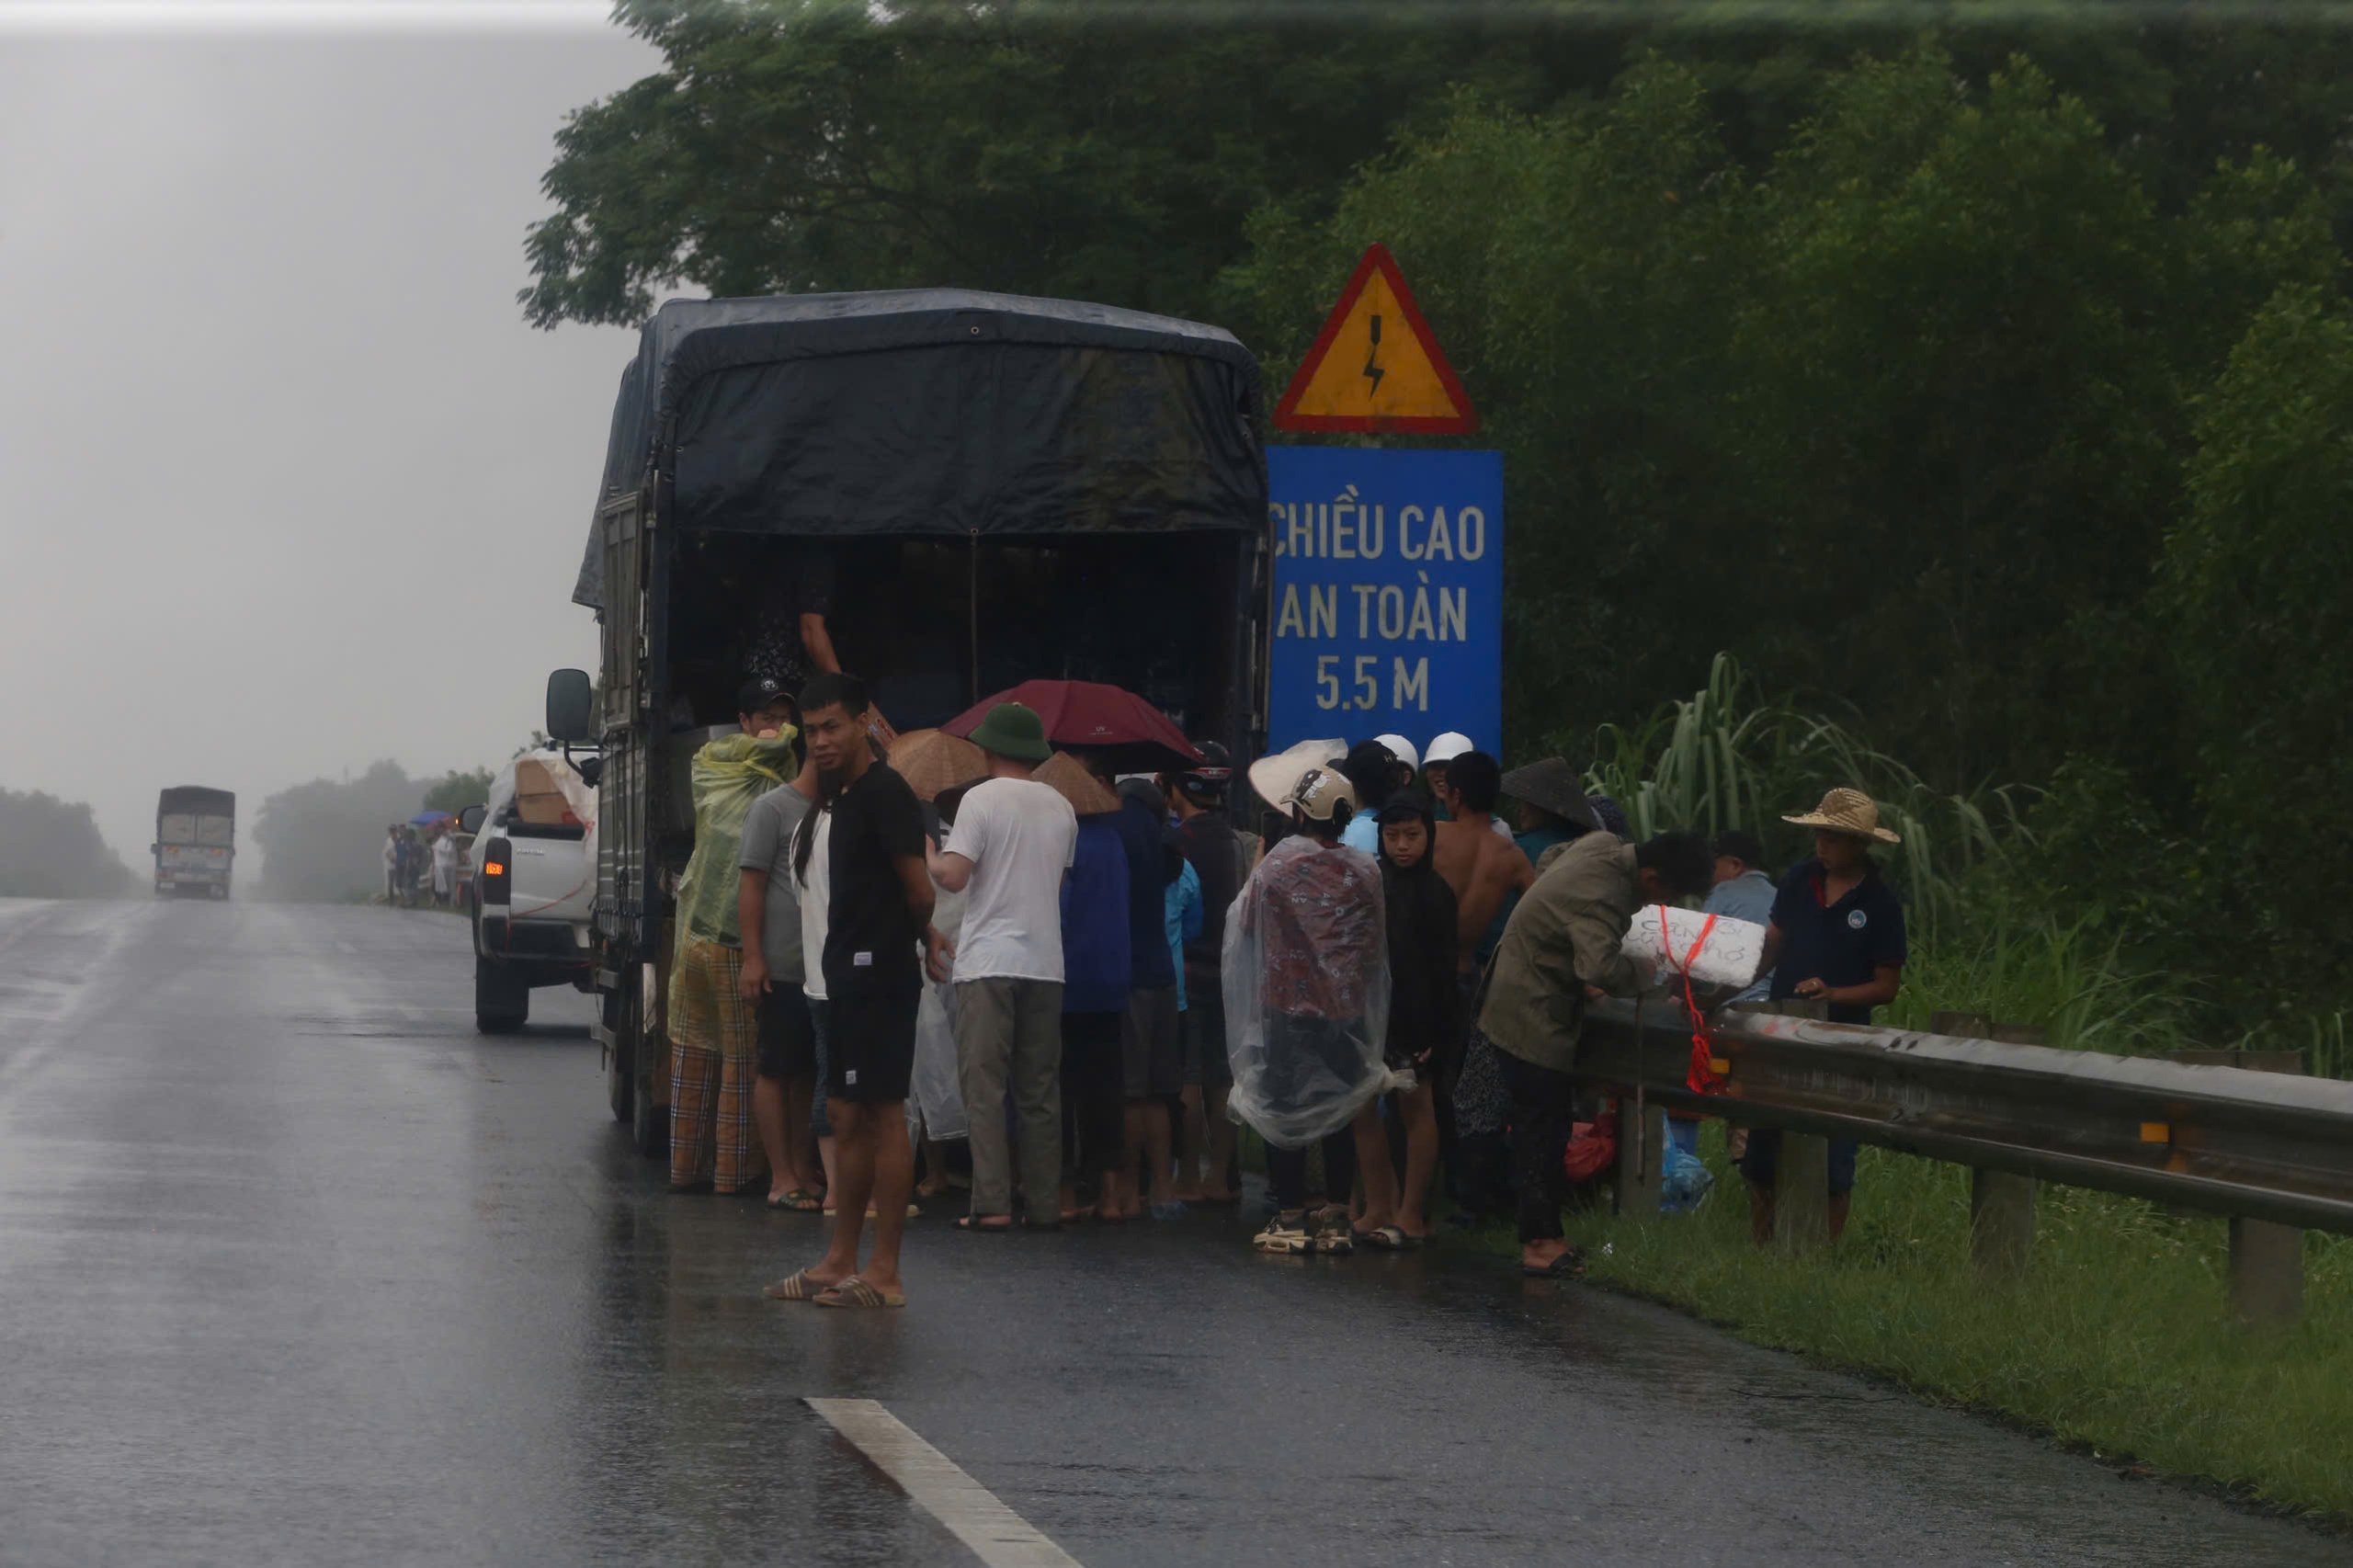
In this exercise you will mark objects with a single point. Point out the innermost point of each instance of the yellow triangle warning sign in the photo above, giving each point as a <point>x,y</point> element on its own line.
<point>1376,368</point>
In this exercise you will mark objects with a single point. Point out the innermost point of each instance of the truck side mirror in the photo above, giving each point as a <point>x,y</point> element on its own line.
<point>469,820</point>
<point>590,768</point>
<point>570,708</point>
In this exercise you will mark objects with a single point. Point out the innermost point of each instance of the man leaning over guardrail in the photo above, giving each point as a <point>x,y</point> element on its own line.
<point>1561,948</point>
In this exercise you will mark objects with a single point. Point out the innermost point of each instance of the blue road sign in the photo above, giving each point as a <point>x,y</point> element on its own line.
<point>1389,594</point>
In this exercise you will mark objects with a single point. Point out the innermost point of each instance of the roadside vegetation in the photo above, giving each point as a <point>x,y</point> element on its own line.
<point>2115,1341</point>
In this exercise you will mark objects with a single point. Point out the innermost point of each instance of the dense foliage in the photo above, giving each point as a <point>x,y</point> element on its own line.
<point>1979,391</point>
<point>52,849</point>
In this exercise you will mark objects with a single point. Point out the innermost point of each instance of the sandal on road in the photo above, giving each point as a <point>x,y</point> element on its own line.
<point>1568,1266</point>
<point>799,1288</point>
<point>1385,1238</point>
<point>856,1292</point>
<point>981,1222</point>
<point>800,1200</point>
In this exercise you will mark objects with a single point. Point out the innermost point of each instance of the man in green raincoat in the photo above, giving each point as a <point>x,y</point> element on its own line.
<point>714,1041</point>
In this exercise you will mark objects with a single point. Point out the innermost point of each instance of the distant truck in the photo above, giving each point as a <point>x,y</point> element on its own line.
<point>196,841</point>
<point>997,489</point>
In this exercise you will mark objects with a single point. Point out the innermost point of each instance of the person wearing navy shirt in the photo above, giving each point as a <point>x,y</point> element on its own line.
<point>1836,936</point>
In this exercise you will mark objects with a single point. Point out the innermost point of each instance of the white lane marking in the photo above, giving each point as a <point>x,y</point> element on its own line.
<point>998,1536</point>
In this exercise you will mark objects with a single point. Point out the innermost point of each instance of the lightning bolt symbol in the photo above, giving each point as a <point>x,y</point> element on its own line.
<point>1372,370</point>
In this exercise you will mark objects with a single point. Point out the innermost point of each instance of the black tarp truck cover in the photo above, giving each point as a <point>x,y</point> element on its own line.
<point>847,415</point>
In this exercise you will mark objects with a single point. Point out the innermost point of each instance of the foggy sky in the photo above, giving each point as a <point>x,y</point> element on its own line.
<point>289,485</point>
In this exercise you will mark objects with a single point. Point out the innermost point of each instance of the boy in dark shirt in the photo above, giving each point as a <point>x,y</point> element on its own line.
<point>1836,937</point>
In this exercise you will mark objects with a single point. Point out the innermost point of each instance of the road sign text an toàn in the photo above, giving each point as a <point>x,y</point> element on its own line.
<point>1376,368</point>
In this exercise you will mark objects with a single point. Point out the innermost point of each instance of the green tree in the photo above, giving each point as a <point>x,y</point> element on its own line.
<point>2252,593</point>
<point>457,790</point>
<point>1099,152</point>
<point>52,849</point>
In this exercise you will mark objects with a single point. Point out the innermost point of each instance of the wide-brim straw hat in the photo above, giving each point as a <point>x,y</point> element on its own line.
<point>1849,812</point>
<point>1087,795</point>
<point>933,762</point>
<point>1551,785</point>
<point>1277,778</point>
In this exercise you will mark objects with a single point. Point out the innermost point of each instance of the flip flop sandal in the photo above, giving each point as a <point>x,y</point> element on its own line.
<point>856,1292</point>
<point>800,1200</point>
<point>1568,1266</point>
<point>1385,1238</point>
<point>799,1288</point>
<point>972,1222</point>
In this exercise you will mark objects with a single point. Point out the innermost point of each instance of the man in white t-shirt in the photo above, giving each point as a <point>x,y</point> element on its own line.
<point>1014,838</point>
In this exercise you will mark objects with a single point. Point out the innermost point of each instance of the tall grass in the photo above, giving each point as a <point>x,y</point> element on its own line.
<point>2068,978</point>
<point>1729,757</point>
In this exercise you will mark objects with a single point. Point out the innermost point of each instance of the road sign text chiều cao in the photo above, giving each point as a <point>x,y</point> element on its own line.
<point>1387,608</point>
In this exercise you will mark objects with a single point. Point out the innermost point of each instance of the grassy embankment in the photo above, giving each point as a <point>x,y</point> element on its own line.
<point>2115,1340</point>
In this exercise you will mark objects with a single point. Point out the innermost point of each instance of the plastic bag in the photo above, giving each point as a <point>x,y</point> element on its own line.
<point>1683,1179</point>
<point>1714,949</point>
<point>1306,992</point>
<point>728,774</point>
<point>935,1094</point>
<point>579,798</point>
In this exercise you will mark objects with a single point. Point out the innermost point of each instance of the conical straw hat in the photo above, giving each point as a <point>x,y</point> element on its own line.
<point>934,762</point>
<point>1087,795</point>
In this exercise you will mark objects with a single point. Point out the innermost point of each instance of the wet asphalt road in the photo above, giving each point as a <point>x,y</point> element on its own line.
<point>294,1267</point>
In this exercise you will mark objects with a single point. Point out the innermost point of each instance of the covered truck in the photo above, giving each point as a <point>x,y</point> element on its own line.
<point>195,840</point>
<point>989,488</point>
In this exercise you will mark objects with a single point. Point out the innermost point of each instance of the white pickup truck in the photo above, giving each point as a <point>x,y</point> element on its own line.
<point>534,862</point>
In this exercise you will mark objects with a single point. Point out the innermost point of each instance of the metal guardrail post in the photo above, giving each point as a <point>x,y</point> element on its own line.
<point>1802,1171</point>
<point>1638,1178</point>
<point>2266,1281</point>
<point>2001,1203</point>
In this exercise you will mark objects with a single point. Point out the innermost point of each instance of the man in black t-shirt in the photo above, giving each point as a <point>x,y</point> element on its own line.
<point>879,916</point>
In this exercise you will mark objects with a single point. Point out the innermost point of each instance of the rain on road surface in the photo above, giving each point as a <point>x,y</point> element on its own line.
<point>294,1267</point>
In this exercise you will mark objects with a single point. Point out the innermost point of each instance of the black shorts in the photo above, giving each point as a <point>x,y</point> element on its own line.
<point>1202,1024</point>
<point>788,1046</point>
<point>1152,1053</point>
<point>870,1040</point>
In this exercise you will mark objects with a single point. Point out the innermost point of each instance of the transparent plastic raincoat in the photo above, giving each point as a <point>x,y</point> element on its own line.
<point>935,1095</point>
<point>1306,992</point>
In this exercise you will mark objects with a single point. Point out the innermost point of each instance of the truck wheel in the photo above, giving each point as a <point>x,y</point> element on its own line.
<point>621,1070</point>
<point>502,998</point>
<point>649,1121</point>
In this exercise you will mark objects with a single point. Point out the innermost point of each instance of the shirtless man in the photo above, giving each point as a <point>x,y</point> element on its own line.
<point>1482,867</point>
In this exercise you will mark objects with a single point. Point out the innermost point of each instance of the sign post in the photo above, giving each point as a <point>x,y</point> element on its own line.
<point>1388,564</point>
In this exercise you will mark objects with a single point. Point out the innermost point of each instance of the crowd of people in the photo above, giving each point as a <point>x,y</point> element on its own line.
<point>1353,957</point>
<point>421,864</point>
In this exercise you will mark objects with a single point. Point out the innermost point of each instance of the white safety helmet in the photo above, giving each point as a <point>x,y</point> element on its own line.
<point>1402,749</point>
<point>1446,747</point>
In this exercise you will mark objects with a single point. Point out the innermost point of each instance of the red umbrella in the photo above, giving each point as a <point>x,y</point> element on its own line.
<point>1089,714</point>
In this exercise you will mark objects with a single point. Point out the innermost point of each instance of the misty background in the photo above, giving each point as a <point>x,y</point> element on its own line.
<point>293,491</point>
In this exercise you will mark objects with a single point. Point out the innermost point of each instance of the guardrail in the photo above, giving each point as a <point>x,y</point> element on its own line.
<point>2265,1150</point>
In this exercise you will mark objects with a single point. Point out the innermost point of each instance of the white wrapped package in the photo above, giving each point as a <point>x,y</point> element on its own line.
<point>1714,949</point>
<point>1306,987</point>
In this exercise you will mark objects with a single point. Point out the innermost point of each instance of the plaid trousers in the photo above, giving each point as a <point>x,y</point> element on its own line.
<point>712,1136</point>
